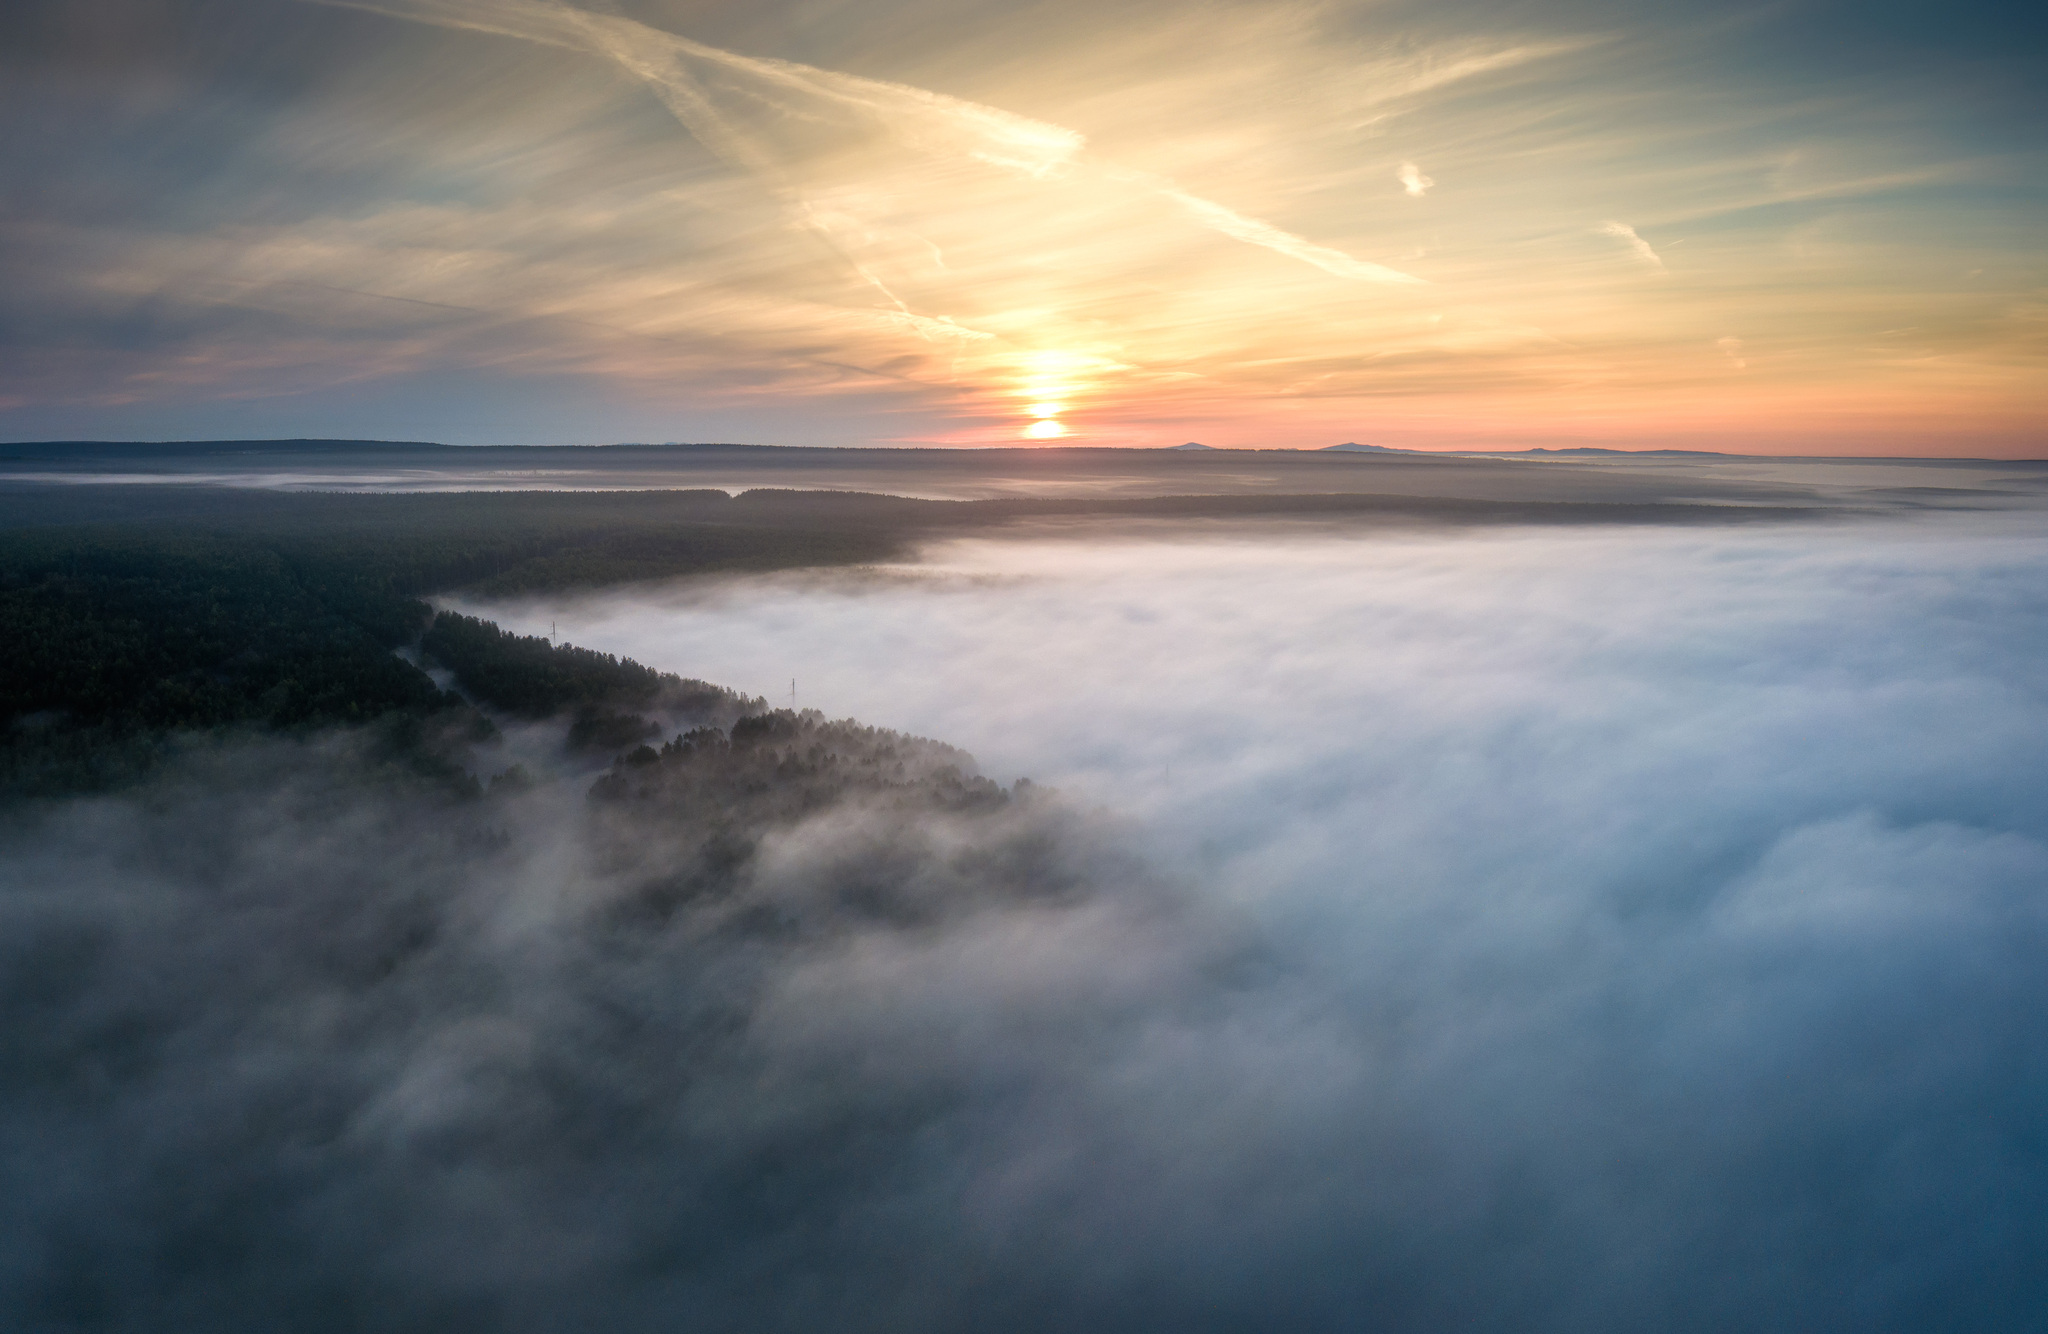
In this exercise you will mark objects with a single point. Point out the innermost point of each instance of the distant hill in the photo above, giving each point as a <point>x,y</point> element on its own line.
<point>1193,445</point>
<point>128,449</point>
<point>1619,453</point>
<point>1353,447</point>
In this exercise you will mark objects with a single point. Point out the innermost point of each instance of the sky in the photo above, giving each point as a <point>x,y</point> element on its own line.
<point>1799,228</point>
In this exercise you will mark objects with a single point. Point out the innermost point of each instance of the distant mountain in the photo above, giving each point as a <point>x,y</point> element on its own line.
<point>1353,447</point>
<point>1193,445</point>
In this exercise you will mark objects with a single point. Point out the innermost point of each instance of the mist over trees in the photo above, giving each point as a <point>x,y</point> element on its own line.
<point>296,1040</point>
<point>368,967</point>
<point>307,1002</point>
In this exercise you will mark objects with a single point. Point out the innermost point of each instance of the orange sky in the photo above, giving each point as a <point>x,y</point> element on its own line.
<point>1250,225</point>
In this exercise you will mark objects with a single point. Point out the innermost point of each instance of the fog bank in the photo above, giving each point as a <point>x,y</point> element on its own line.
<point>1526,930</point>
<point>1660,912</point>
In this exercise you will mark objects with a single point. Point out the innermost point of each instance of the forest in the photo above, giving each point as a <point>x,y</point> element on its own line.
<point>134,617</point>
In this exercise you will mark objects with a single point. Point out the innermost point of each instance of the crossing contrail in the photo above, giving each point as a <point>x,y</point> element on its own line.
<point>687,77</point>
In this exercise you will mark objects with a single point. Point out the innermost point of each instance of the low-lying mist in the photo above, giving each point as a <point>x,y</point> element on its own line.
<point>768,1028</point>
<point>1596,929</point>
<point>1539,686</point>
<point>1656,917</point>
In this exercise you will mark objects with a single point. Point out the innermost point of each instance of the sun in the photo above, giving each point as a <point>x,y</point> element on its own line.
<point>1048,380</point>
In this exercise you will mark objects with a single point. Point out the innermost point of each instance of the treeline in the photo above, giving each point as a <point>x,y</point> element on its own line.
<point>372,556</point>
<point>605,698</point>
<point>781,765</point>
<point>532,677</point>
<point>688,822</point>
<point>134,613</point>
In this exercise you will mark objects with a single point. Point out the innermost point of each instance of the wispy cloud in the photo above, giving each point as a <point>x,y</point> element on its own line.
<point>877,243</point>
<point>1254,232</point>
<point>701,84</point>
<point>1621,231</point>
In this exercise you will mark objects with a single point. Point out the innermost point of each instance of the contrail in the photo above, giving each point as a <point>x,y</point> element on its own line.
<point>929,121</point>
<point>1253,232</point>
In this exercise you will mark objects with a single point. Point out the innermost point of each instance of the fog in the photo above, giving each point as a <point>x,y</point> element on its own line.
<point>1599,929</point>
<point>1658,914</point>
<point>1575,698</point>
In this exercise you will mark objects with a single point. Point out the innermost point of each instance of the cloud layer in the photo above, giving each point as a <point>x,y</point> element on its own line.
<point>1517,931</point>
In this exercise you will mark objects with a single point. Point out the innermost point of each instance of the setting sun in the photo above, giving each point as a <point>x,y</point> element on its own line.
<point>946,246</point>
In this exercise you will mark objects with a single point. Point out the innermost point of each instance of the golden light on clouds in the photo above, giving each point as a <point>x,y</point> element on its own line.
<point>1252,224</point>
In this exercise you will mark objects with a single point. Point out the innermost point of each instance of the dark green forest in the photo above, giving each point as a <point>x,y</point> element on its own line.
<point>132,615</point>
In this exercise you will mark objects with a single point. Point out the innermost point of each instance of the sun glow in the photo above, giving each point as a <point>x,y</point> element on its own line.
<point>1047,385</point>
<point>1289,231</point>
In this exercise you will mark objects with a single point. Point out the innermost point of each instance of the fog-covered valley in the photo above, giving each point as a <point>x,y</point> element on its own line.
<point>1267,680</point>
<point>1588,925</point>
<point>1652,919</point>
